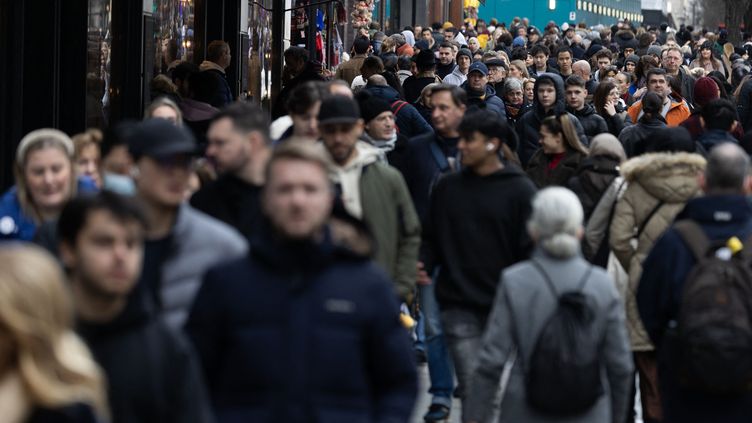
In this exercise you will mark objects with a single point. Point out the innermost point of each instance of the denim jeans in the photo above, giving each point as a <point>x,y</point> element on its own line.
<point>439,362</point>
<point>463,330</point>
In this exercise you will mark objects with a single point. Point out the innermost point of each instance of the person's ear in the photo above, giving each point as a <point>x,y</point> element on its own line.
<point>734,126</point>
<point>702,182</point>
<point>67,256</point>
<point>702,122</point>
<point>748,184</point>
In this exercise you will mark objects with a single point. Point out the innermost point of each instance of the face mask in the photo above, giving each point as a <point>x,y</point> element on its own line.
<point>120,184</point>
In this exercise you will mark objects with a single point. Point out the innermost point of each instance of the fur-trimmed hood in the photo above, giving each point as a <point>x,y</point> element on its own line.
<point>670,177</point>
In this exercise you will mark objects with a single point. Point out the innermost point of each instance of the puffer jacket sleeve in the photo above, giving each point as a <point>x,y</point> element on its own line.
<point>496,348</point>
<point>409,239</point>
<point>622,228</point>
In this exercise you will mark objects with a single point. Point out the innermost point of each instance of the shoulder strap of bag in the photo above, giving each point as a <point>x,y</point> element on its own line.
<point>438,155</point>
<point>694,237</point>
<point>580,285</point>
<point>399,104</point>
<point>647,219</point>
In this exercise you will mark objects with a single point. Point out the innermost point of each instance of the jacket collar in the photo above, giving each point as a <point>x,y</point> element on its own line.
<point>717,209</point>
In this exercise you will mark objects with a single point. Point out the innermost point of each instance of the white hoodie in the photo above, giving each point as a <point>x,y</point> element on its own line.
<point>348,176</point>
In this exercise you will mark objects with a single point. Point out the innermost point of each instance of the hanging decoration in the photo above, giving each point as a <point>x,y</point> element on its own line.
<point>363,14</point>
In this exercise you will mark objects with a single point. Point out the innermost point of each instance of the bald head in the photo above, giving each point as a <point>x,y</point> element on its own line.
<point>377,80</point>
<point>582,69</point>
<point>727,170</point>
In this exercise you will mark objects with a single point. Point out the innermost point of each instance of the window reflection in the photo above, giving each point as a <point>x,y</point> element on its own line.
<point>259,51</point>
<point>98,63</point>
<point>173,34</point>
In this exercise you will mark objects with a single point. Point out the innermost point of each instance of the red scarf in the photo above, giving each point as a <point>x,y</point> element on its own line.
<point>554,160</point>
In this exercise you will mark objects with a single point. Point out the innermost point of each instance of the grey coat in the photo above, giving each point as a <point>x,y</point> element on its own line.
<point>523,292</point>
<point>199,242</point>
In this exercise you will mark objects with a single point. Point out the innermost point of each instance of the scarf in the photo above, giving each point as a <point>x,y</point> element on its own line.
<point>383,145</point>
<point>513,110</point>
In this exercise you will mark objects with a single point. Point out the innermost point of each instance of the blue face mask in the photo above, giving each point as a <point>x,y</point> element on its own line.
<point>120,184</point>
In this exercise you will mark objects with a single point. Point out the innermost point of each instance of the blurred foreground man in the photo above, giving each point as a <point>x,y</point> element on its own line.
<point>152,373</point>
<point>306,327</point>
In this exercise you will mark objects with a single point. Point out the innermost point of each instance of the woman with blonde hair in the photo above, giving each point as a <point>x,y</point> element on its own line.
<point>87,154</point>
<point>46,372</point>
<point>45,181</point>
<point>164,108</point>
<point>517,69</point>
<point>560,154</point>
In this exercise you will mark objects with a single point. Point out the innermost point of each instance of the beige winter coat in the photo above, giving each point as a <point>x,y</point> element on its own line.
<point>651,178</point>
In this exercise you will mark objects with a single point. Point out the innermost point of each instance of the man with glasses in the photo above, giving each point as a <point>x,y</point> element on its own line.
<point>672,59</point>
<point>497,72</point>
<point>181,242</point>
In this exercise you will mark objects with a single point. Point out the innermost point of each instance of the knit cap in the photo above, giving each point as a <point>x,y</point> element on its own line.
<point>371,106</point>
<point>706,91</point>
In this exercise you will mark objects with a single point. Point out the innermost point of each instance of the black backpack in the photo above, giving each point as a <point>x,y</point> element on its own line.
<point>564,373</point>
<point>711,341</point>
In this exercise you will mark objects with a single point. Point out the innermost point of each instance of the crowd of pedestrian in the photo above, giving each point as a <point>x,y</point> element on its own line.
<point>552,220</point>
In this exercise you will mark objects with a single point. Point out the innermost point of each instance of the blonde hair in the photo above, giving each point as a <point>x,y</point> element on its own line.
<point>91,136</point>
<point>519,64</point>
<point>563,125</point>
<point>164,101</point>
<point>35,141</point>
<point>36,314</point>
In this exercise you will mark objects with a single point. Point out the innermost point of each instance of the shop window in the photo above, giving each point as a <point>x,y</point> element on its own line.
<point>259,64</point>
<point>173,42</point>
<point>99,42</point>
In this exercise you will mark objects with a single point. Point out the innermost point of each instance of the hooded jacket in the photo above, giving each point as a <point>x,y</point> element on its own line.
<point>529,124</point>
<point>376,193</point>
<point>152,371</point>
<point>456,78</point>
<point>409,121</point>
<point>304,331</point>
<point>223,96</point>
<point>677,113</point>
<point>626,39</point>
<point>596,173</point>
<point>592,123</point>
<point>659,301</point>
<point>668,179</point>
<point>476,228</point>
<point>489,100</point>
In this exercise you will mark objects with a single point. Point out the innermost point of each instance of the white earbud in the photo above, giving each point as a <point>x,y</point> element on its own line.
<point>489,147</point>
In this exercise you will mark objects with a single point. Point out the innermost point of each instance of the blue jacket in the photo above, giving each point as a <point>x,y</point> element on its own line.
<point>408,120</point>
<point>713,137</point>
<point>17,225</point>
<point>426,165</point>
<point>659,298</point>
<point>303,332</point>
<point>489,101</point>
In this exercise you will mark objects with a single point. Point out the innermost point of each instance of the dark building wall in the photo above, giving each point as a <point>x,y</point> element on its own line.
<point>43,71</point>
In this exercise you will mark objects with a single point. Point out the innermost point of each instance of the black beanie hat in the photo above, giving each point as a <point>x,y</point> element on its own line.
<point>371,106</point>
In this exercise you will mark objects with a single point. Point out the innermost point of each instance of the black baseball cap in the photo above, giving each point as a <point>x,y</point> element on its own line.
<point>160,138</point>
<point>338,109</point>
